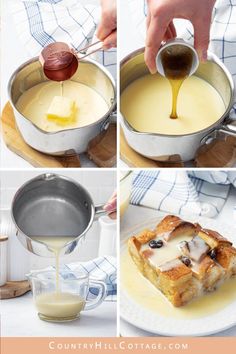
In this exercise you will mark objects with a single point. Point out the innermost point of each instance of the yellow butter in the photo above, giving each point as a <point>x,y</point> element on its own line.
<point>62,110</point>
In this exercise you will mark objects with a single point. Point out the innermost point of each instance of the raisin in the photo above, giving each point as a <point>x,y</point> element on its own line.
<point>156,243</point>
<point>186,261</point>
<point>212,254</point>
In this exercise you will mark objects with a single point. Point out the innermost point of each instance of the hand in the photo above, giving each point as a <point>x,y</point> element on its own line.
<point>160,26</point>
<point>111,206</point>
<point>107,28</point>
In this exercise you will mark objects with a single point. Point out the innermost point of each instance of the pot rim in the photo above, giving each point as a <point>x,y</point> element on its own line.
<point>45,176</point>
<point>91,61</point>
<point>213,58</point>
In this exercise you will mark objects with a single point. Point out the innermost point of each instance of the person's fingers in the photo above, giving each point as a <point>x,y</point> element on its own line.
<point>113,216</point>
<point>155,35</point>
<point>103,31</point>
<point>172,29</point>
<point>111,205</point>
<point>114,195</point>
<point>110,41</point>
<point>170,32</point>
<point>168,35</point>
<point>148,20</point>
<point>201,38</point>
<point>106,26</point>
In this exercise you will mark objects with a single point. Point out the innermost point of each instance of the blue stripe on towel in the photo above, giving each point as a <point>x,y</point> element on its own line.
<point>35,24</point>
<point>180,192</point>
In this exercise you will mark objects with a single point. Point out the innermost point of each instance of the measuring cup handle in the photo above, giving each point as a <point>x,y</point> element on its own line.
<point>102,292</point>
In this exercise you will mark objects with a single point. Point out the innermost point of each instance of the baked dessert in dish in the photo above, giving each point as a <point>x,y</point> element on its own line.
<point>183,260</point>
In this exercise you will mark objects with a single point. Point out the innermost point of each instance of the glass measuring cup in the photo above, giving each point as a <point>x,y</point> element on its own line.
<point>63,301</point>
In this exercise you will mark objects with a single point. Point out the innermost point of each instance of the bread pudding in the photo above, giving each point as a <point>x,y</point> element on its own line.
<point>182,259</point>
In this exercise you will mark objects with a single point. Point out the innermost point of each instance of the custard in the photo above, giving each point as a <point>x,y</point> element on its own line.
<point>146,105</point>
<point>35,102</point>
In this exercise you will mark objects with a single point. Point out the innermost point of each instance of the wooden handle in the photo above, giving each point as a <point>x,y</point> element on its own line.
<point>219,153</point>
<point>102,149</point>
<point>70,160</point>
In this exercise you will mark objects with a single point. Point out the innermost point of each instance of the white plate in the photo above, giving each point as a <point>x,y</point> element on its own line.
<point>143,318</point>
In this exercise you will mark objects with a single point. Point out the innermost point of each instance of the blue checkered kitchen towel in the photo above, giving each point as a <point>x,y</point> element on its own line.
<point>40,22</point>
<point>222,36</point>
<point>101,268</point>
<point>182,192</point>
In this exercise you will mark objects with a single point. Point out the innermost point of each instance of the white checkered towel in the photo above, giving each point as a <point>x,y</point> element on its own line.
<point>222,36</point>
<point>40,22</point>
<point>101,268</point>
<point>180,192</point>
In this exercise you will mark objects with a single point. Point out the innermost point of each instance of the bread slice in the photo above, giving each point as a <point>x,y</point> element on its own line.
<point>183,260</point>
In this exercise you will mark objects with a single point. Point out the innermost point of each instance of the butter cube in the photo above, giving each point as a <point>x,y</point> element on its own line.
<point>62,110</point>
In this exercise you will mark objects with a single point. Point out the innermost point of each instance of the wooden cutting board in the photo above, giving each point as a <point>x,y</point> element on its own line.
<point>102,149</point>
<point>133,159</point>
<point>14,289</point>
<point>219,153</point>
<point>16,144</point>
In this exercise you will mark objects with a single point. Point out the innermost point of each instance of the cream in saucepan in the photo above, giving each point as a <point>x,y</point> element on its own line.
<point>34,104</point>
<point>146,104</point>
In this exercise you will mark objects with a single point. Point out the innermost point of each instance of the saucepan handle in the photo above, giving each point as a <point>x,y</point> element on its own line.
<point>227,128</point>
<point>219,134</point>
<point>229,125</point>
<point>110,119</point>
<point>105,124</point>
<point>218,148</point>
<point>99,211</point>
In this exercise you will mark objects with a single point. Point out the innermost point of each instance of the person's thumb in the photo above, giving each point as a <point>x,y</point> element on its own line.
<point>103,31</point>
<point>110,41</point>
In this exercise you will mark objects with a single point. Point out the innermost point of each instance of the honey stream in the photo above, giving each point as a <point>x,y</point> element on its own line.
<point>177,63</point>
<point>62,88</point>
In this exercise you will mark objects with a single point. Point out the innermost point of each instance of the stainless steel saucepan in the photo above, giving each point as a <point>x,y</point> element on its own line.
<point>52,205</point>
<point>70,141</point>
<point>161,147</point>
